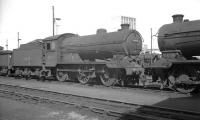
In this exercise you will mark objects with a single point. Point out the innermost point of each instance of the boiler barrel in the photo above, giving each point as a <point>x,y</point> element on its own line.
<point>184,36</point>
<point>104,45</point>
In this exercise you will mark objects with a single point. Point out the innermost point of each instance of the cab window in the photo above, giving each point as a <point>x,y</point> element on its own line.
<point>50,45</point>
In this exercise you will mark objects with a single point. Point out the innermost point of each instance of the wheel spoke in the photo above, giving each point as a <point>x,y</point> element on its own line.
<point>183,87</point>
<point>182,78</point>
<point>107,82</point>
<point>62,76</point>
<point>107,79</point>
<point>83,78</point>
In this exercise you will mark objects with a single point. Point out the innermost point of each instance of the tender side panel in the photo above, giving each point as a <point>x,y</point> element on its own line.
<point>28,57</point>
<point>4,60</point>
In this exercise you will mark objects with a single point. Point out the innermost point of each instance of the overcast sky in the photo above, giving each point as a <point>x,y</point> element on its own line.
<point>33,18</point>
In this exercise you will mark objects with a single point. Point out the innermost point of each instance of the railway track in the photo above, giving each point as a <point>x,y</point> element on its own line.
<point>100,106</point>
<point>131,87</point>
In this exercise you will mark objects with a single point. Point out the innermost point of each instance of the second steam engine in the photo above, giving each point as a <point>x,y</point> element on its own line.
<point>179,43</point>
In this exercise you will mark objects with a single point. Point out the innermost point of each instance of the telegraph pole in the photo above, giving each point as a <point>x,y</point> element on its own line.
<point>151,44</point>
<point>18,39</point>
<point>7,44</point>
<point>53,20</point>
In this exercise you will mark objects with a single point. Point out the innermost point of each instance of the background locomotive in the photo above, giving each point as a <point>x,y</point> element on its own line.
<point>4,61</point>
<point>108,56</point>
<point>179,43</point>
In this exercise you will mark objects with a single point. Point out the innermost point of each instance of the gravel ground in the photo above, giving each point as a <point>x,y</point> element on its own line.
<point>174,101</point>
<point>124,95</point>
<point>16,110</point>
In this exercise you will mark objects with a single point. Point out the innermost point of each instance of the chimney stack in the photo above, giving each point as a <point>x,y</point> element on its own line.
<point>125,26</point>
<point>101,31</point>
<point>178,18</point>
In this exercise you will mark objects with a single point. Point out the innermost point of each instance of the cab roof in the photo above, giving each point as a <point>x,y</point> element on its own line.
<point>55,37</point>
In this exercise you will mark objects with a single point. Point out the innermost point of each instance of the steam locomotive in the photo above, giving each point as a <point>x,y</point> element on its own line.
<point>179,66</point>
<point>107,56</point>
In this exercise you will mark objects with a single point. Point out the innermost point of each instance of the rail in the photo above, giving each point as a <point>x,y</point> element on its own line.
<point>101,106</point>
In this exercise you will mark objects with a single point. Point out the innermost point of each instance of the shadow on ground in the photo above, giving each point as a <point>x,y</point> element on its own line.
<point>190,103</point>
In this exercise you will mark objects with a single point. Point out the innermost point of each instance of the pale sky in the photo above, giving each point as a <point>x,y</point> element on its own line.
<point>33,18</point>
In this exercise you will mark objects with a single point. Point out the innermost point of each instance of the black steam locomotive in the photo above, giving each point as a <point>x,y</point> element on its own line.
<point>107,56</point>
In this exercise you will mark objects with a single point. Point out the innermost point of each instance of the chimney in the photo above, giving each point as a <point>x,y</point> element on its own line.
<point>178,18</point>
<point>186,20</point>
<point>125,26</point>
<point>101,31</point>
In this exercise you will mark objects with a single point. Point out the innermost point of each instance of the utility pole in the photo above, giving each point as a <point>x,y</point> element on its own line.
<point>53,20</point>
<point>151,44</point>
<point>18,39</point>
<point>7,44</point>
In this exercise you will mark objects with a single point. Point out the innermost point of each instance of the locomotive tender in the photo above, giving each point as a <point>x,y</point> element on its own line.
<point>4,61</point>
<point>108,56</point>
<point>179,43</point>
